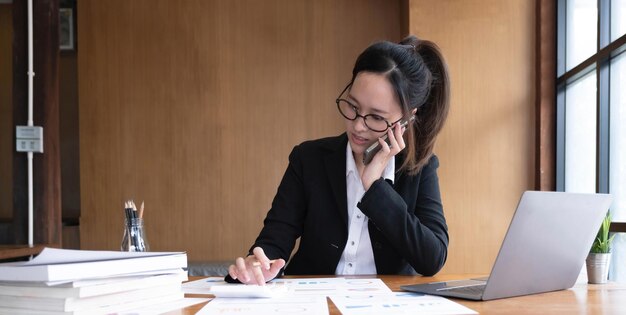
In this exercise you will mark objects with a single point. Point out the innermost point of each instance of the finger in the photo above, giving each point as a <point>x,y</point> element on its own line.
<point>242,270</point>
<point>259,254</point>
<point>391,139</point>
<point>397,141</point>
<point>384,147</point>
<point>393,142</point>
<point>399,131</point>
<point>232,271</point>
<point>258,275</point>
<point>276,266</point>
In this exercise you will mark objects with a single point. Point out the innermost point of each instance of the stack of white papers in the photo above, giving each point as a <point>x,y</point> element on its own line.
<point>61,281</point>
<point>308,296</point>
<point>64,265</point>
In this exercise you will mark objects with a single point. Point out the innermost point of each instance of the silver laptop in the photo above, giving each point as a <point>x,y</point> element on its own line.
<point>543,250</point>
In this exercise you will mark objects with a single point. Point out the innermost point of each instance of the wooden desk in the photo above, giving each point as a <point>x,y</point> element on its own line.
<point>581,299</point>
<point>16,251</point>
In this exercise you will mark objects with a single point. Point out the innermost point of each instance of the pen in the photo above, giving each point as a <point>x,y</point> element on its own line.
<point>128,210</point>
<point>134,208</point>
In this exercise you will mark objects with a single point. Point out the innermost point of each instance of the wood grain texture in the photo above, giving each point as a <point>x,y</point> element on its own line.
<point>545,85</point>
<point>68,130</point>
<point>194,106</point>
<point>487,146</point>
<point>47,166</point>
<point>20,117</point>
<point>7,133</point>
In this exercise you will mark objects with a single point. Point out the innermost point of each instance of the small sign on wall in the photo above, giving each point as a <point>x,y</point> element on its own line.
<point>66,29</point>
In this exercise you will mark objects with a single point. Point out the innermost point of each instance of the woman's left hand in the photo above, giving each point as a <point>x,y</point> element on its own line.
<point>374,170</point>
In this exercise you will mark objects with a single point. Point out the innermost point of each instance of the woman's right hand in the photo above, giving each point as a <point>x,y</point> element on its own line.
<point>256,268</point>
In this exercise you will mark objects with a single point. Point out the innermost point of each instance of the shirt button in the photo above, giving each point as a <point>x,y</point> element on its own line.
<point>350,265</point>
<point>352,243</point>
<point>358,216</point>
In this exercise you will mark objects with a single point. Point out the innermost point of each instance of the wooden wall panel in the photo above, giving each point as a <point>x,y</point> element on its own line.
<point>7,142</point>
<point>68,132</point>
<point>487,147</point>
<point>194,106</point>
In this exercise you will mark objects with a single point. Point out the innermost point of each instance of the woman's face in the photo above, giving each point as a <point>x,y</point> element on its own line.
<point>371,93</point>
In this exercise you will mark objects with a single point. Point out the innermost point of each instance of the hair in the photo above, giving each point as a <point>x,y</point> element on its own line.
<point>419,75</point>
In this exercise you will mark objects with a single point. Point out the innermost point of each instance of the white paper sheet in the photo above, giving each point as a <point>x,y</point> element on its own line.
<point>352,296</point>
<point>270,290</point>
<point>303,286</point>
<point>202,286</point>
<point>49,256</point>
<point>304,305</point>
<point>335,286</point>
<point>95,281</point>
<point>166,307</point>
<point>397,303</point>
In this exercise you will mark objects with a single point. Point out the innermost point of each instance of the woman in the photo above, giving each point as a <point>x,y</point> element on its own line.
<point>352,217</point>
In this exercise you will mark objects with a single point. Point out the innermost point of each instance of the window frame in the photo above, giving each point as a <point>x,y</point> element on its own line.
<point>600,64</point>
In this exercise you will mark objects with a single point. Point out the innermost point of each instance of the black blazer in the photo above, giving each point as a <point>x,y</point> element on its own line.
<point>406,222</point>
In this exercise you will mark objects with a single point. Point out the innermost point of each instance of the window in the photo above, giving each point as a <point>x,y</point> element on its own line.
<point>580,135</point>
<point>581,31</point>
<point>618,18</point>
<point>591,107</point>
<point>617,162</point>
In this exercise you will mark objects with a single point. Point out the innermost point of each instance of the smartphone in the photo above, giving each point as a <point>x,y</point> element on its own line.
<point>375,147</point>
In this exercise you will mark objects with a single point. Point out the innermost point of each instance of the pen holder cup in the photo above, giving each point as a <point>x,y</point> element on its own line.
<point>134,239</point>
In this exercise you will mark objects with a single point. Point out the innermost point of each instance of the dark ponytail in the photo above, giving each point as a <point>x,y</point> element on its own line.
<point>417,71</point>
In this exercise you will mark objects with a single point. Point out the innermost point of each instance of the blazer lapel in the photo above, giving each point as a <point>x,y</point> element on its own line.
<point>336,170</point>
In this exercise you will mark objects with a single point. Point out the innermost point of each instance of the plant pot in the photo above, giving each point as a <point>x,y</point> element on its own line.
<point>598,267</point>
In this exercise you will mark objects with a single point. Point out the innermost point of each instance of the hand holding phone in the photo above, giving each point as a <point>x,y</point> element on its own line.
<point>369,153</point>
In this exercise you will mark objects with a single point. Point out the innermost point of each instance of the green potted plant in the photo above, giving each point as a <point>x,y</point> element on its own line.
<point>600,255</point>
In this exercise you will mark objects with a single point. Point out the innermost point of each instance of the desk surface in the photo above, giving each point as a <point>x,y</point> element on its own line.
<point>581,299</point>
<point>17,251</point>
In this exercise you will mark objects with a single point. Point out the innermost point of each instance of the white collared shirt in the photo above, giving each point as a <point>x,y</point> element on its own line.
<point>358,257</point>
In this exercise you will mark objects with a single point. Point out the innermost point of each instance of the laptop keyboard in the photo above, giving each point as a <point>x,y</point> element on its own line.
<point>472,289</point>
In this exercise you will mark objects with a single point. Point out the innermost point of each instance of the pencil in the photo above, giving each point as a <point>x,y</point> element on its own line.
<point>258,264</point>
<point>141,211</point>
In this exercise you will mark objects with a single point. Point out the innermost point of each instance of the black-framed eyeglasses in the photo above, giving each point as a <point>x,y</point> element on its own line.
<point>350,111</point>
